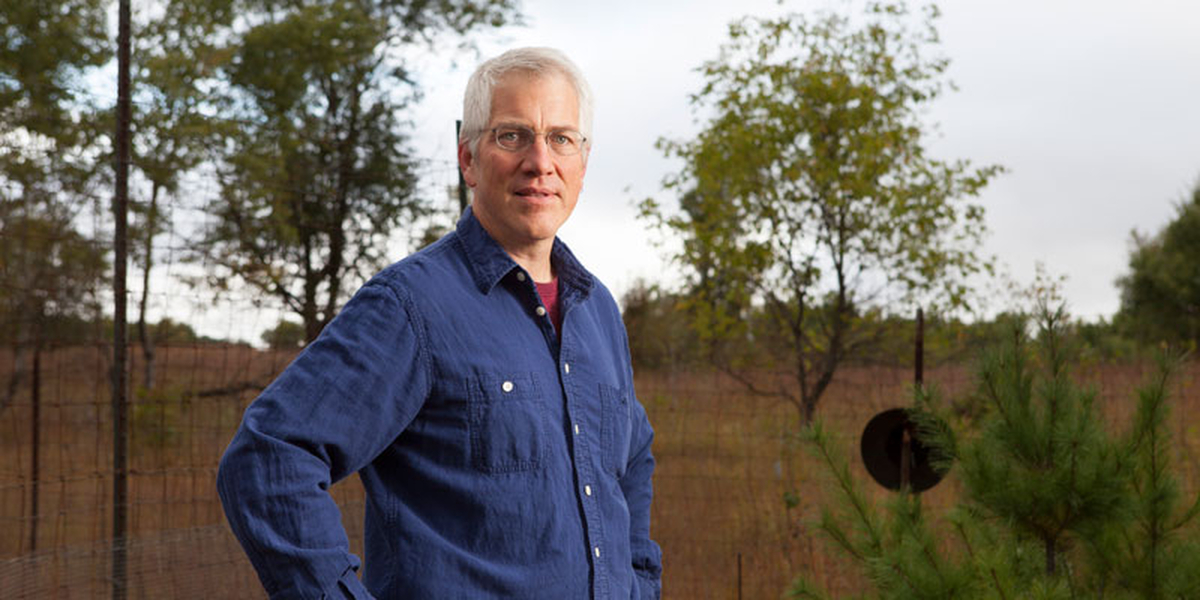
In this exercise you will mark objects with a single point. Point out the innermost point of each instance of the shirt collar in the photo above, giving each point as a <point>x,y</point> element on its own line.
<point>489,263</point>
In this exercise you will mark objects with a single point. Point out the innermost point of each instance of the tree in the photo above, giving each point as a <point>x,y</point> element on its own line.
<point>1052,504</point>
<point>48,273</point>
<point>1154,551</point>
<point>809,194</point>
<point>317,173</point>
<point>1043,461</point>
<point>46,47</point>
<point>49,139</point>
<point>659,338</point>
<point>172,135</point>
<point>286,335</point>
<point>167,331</point>
<point>1160,296</point>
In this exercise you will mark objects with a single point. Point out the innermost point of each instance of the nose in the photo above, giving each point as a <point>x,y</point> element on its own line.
<point>538,157</point>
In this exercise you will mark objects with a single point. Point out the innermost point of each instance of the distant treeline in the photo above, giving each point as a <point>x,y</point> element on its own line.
<point>74,330</point>
<point>661,336</point>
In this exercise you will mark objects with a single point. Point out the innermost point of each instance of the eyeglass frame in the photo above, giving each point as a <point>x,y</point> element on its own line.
<point>535,134</point>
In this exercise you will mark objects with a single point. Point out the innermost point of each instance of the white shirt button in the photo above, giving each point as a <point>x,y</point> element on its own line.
<point>597,549</point>
<point>587,489</point>
<point>577,429</point>
<point>540,311</point>
<point>567,368</point>
<point>507,386</point>
<point>520,276</point>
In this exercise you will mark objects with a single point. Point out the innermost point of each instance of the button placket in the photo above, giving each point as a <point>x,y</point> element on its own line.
<point>584,453</point>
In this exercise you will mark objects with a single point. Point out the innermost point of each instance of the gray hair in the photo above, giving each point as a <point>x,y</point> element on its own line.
<point>477,101</point>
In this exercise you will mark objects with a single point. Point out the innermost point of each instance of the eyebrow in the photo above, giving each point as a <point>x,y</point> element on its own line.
<point>515,125</point>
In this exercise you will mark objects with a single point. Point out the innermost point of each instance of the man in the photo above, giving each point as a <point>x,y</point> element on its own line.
<point>481,388</point>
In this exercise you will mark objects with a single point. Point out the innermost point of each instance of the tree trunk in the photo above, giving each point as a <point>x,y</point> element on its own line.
<point>144,337</point>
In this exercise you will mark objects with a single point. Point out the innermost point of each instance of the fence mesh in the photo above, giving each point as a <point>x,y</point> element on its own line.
<point>724,464</point>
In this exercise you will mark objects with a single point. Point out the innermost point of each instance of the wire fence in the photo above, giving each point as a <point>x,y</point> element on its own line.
<point>725,462</point>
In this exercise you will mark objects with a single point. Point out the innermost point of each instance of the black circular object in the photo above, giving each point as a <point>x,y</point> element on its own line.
<point>883,446</point>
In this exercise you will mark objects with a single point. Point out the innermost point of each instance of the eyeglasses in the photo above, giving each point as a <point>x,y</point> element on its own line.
<point>563,142</point>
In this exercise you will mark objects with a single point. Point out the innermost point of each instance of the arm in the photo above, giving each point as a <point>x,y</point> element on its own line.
<point>638,489</point>
<point>344,399</point>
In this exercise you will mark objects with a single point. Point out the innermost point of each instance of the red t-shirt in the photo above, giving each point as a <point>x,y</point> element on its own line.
<point>549,295</point>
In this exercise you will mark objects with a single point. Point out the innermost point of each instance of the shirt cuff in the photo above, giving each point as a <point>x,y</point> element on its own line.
<point>350,588</point>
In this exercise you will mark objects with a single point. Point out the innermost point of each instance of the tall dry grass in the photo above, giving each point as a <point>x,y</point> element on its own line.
<point>725,461</point>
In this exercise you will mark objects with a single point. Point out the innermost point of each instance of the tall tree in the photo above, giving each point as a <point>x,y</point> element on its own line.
<point>318,173</point>
<point>49,165</point>
<point>1160,296</point>
<point>810,199</point>
<point>172,134</point>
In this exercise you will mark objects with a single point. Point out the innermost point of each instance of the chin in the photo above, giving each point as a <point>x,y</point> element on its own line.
<point>544,230</point>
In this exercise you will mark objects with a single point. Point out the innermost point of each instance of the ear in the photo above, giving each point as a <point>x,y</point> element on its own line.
<point>468,164</point>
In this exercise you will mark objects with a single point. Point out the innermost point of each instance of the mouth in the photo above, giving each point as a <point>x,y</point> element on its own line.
<point>535,193</point>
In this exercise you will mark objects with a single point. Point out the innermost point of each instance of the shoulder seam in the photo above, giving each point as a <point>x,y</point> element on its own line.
<point>417,322</point>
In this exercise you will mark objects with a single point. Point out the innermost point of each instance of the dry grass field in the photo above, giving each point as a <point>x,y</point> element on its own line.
<point>725,460</point>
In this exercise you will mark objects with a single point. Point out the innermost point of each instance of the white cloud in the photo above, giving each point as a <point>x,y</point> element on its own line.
<point>1091,105</point>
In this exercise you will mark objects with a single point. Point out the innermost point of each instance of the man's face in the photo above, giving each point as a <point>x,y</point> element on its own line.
<point>523,197</point>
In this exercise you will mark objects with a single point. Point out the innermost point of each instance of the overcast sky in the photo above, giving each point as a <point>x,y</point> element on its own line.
<point>1094,107</point>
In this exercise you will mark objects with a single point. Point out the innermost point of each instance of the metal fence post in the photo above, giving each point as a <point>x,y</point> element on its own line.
<point>120,405</point>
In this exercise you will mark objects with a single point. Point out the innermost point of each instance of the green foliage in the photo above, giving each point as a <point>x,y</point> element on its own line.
<point>285,335</point>
<point>49,279</point>
<point>50,160</point>
<point>809,195</point>
<point>50,130</point>
<point>45,47</point>
<point>1053,504</point>
<point>659,337</point>
<point>47,162</point>
<point>171,133</point>
<point>168,331</point>
<point>1042,461</point>
<point>1105,340</point>
<point>300,107</point>
<point>952,341</point>
<point>1160,296</point>
<point>1154,555</point>
<point>47,270</point>
<point>896,549</point>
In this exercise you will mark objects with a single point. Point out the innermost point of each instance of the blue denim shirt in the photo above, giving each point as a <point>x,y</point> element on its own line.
<point>498,462</point>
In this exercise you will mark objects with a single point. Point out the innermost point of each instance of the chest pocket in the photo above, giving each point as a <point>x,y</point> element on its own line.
<point>615,429</point>
<point>507,424</point>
